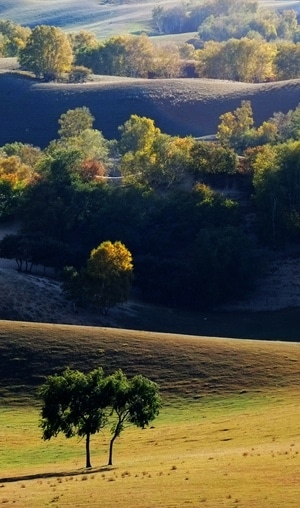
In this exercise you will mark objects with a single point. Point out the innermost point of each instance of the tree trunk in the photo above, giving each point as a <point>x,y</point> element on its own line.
<point>87,450</point>
<point>111,444</point>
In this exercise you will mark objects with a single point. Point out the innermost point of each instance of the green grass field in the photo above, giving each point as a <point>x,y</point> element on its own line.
<point>228,433</point>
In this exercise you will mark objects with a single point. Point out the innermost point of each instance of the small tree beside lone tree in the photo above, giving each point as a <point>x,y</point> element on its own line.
<point>133,401</point>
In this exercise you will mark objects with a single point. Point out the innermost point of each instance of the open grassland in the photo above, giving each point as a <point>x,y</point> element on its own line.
<point>104,18</point>
<point>228,433</point>
<point>228,451</point>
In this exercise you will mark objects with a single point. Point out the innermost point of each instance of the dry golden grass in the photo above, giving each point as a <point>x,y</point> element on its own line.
<point>208,456</point>
<point>184,366</point>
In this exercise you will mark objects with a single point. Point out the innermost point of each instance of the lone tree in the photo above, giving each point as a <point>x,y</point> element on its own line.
<point>75,121</point>
<point>106,280</point>
<point>74,404</point>
<point>48,52</point>
<point>134,401</point>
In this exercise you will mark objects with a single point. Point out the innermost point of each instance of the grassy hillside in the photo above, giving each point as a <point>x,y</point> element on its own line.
<point>178,106</point>
<point>228,433</point>
<point>103,18</point>
<point>184,366</point>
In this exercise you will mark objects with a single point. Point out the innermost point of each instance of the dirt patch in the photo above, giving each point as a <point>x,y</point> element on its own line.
<point>34,298</point>
<point>279,288</point>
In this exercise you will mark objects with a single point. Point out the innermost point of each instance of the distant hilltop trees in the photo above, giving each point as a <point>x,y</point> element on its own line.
<point>235,40</point>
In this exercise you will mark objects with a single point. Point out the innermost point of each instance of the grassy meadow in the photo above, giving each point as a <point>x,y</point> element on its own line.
<point>104,18</point>
<point>227,435</point>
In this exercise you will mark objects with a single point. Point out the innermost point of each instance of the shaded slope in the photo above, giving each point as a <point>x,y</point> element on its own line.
<point>182,365</point>
<point>178,106</point>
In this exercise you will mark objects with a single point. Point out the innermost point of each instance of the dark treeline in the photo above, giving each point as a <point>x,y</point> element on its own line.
<point>220,20</point>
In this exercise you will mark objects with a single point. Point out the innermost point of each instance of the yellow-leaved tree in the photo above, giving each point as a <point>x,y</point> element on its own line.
<point>48,52</point>
<point>106,280</point>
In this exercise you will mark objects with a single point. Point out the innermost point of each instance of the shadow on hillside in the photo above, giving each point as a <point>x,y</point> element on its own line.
<point>56,474</point>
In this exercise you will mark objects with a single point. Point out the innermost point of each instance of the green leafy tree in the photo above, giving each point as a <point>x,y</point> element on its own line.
<point>34,249</point>
<point>245,59</point>
<point>10,199</point>
<point>269,195</point>
<point>13,38</point>
<point>287,60</point>
<point>73,403</point>
<point>14,247</point>
<point>48,52</point>
<point>82,40</point>
<point>209,158</point>
<point>162,165</point>
<point>28,154</point>
<point>235,127</point>
<point>137,134</point>
<point>133,401</point>
<point>75,121</point>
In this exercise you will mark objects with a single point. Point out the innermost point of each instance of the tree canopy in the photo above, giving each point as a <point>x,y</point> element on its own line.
<point>47,53</point>
<point>74,122</point>
<point>106,280</point>
<point>79,404</point>
<point>73,404</point>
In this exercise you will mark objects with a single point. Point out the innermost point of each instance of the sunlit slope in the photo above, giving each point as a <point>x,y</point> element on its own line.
<point>105,19</point>
<point>183,365</point>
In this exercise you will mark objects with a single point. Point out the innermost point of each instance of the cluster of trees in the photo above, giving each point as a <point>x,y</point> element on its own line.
<point>50,53</point>
<point>81,404</point>
<point>134,56</point>
<point>270,154</point>
<point>163,211</point>
<point>13,38</point>
<point>221,20</point>
<point>237,41</point>
<point>237,131</point>
<point>249,60</point>
<point>188,240</point>
<point>240,41</point>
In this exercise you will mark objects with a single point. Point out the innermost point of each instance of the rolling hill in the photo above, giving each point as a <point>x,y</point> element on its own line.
<point>184,366</point>
<point>104,18</point>
<point>178,106</point>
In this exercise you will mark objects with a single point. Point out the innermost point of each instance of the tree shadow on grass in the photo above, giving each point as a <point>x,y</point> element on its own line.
<point>56,474</point>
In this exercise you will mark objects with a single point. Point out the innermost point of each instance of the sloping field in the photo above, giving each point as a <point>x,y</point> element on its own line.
<point>103,18</point>
<point>227,435</point>
<point>178,106</point>
<point>184,366</point>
